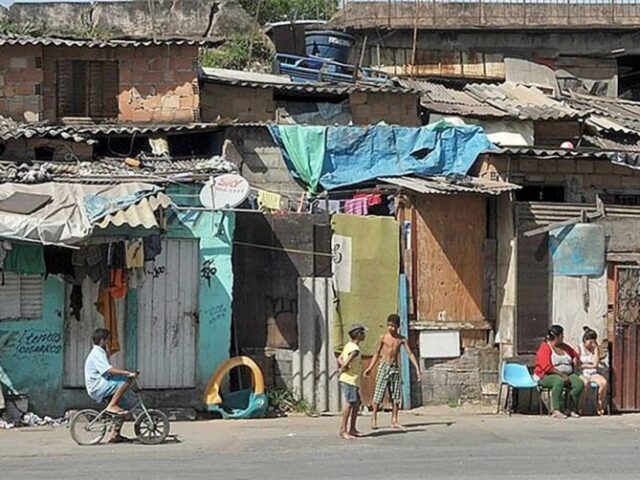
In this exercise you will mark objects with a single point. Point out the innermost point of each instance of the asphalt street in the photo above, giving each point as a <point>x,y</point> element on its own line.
<point>442,445</point>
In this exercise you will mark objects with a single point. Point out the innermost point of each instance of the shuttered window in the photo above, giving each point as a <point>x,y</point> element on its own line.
<point>87,89</point>
<point>21,297</point>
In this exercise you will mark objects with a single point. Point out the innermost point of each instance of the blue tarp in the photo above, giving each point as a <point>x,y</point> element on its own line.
<point>354,155</point>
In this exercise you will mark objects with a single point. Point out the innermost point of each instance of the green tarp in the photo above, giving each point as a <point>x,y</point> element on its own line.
<point>366,269</point>
<point>306,147</point>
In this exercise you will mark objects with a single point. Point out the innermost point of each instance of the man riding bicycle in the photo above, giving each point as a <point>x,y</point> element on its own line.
<point>106,383</point>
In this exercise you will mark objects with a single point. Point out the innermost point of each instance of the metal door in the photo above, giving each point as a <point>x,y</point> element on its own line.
<point>626,347</point>
<point>167,317</point>
<point>77,333</point>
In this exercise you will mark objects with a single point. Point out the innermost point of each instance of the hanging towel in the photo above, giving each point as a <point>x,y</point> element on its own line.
<point>356,206</point>
<point>118,284</point>
<point>269,200</point>
<point>372,199</point>
<point>107,308</point>
<point>135,254</point>
<point>25,260</point>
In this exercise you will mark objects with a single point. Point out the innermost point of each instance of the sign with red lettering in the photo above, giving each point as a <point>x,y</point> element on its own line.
<point>225,191</point>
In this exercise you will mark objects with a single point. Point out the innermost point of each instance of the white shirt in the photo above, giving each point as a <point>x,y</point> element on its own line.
<point>96,367</point>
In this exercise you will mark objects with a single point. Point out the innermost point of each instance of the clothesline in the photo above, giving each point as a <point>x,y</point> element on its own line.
<point>282,249</point>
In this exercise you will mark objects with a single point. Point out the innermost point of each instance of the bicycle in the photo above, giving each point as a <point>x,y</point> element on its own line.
<point>89,426</point>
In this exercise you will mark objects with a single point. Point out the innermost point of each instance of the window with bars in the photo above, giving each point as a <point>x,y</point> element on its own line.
<point>87,88</point>
<point>20,297</point>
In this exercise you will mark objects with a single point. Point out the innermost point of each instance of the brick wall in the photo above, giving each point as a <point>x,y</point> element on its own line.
<point>20,75</point>
<point>582,178</point>
<point>156,84</point>
<point>241,103</point>
<point>392,108</point>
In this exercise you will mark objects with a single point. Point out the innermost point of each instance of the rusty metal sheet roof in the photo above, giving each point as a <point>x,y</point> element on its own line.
<point>624,158</point>
<point>283,83</point>
<point>450,185</point>
<point>441,99</point>
<point>523,102</point>
<point>56,41</point>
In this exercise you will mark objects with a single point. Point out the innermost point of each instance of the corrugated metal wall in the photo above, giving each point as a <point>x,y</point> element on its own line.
<point>314,363</point>
<point>167,317</point>
<point>77,334</point>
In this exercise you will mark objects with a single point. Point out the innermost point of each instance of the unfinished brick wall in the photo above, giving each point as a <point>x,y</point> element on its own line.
<point>391,108</point>
<point>583,179</point>
<point>237,103</point>
<point>20,78</point>
<point>155,84</point>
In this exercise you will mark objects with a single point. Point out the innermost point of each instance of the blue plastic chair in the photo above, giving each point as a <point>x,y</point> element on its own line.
<point>514,376</point>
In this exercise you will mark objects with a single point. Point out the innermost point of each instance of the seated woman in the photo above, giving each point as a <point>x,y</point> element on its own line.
<point>556,365</point>
<point>589,352</point>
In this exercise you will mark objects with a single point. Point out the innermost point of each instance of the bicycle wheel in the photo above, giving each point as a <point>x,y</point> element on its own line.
<point>85,430</point>
<point>151,428</point>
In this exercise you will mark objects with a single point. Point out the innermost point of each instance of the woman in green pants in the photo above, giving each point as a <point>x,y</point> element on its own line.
<point>556,364</point>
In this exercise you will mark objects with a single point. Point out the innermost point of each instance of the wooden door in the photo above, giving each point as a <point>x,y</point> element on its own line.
<point>626,347</point>
<point>167,317</point>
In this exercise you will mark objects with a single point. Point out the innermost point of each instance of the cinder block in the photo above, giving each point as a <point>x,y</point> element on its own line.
<point>584,166</point>
<point>547,166</point>
<point>566,165</point>
<point>603,166</point>
<point>18,63</point>
<point>527,165</point>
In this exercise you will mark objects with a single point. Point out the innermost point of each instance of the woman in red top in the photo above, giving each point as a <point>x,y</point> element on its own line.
<point>557,366</point>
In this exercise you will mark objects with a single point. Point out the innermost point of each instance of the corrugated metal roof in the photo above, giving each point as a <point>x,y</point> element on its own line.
<point>624,112</point>
<point>142,214</point>
<point>441,99</point>
<point>12,130</point>
<point>526,103</point>
<point>624,158</point>
<point>450,185</point>
<point>606,125</point>
<point>110,43</point>
<point>114,170</point>
<point>240,78</point>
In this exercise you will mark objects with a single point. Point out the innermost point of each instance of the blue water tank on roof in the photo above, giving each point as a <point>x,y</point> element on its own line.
<point>329,44</point>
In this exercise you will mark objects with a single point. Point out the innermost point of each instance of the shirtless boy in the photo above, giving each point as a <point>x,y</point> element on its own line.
<point>388,353</point>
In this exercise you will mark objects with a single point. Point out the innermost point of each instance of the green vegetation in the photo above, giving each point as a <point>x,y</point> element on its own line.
<point>249,51</point>
<point>7,27</point>
<point>267,11</point>
<point>286,401</point>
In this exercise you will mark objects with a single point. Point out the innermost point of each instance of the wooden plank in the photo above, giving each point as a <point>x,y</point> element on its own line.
<point>533,297</point>
<point>450,261</point>
<point>630,367</point>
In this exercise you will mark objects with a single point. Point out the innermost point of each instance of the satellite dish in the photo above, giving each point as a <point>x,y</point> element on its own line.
<point>226,191</point>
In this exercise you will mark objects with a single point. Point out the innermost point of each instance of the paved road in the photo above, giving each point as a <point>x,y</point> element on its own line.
<point>449,445</point>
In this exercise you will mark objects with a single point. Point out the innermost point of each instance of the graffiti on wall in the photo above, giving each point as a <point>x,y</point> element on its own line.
<point>30,342</point>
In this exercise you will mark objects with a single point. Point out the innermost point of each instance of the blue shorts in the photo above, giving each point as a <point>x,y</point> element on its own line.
<point>351,392</point>
<point>108,388</point>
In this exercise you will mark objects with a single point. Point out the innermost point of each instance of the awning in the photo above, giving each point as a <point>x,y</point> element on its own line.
<point>74,210</point>
<point>451,185</point>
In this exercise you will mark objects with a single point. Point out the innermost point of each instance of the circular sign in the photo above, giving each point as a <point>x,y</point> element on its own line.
<point>226,191</point>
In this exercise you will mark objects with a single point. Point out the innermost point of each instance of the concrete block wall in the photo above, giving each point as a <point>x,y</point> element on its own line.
<point>276,365</point>
<point>583,178</point>
<point>21,76</point>
<point>470,378</point>
<point>262,162</point>
<point>156,84</point>
<point>392,108</point>
<point>237,103</point>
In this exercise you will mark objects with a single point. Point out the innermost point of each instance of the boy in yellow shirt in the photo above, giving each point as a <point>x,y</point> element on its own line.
<point>350,368</point>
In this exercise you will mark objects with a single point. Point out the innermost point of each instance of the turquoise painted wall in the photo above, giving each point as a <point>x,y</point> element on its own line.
<point>31,351</point>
